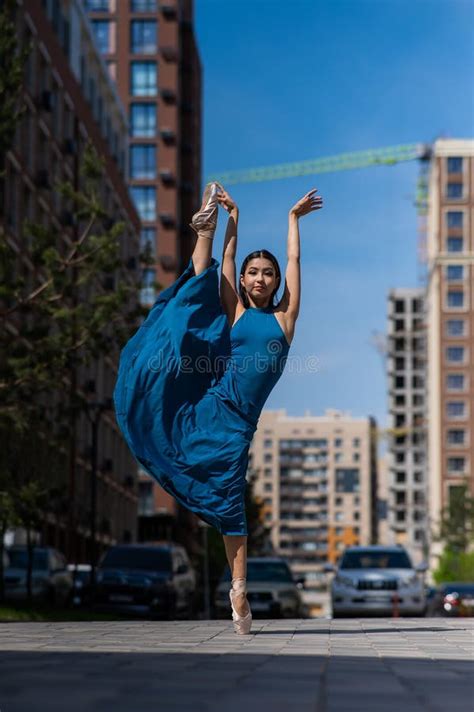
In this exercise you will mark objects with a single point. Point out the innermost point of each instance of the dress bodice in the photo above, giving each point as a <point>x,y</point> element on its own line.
<point>259,351</point>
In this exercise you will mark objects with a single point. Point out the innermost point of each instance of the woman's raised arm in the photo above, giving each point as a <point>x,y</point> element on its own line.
<point>228,285</point>
<point>290,301</point>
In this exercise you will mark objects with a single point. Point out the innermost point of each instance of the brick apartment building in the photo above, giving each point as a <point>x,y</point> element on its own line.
<point>70,100</point>
<point>450,323</point>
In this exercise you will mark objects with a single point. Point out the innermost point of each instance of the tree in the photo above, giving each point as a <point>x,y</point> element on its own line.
<point>457,532</point>
<point>12,60</point>
<point>457,520</point>
<point>66,298</point>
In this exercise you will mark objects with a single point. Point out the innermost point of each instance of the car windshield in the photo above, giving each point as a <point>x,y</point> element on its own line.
<point>18,559</point>
<point>375,560</point>
<point>271,571</point>
<point>146,559</point>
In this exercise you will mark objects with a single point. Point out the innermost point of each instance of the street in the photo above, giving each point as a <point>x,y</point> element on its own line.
<point>317,665</point>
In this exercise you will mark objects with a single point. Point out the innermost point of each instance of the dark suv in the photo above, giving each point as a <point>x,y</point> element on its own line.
<point>146,579</point>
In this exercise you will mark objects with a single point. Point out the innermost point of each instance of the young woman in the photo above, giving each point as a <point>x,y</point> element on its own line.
<point>194,378</point>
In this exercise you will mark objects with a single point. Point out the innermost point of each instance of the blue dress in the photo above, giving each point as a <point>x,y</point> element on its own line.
<point>190,391</point>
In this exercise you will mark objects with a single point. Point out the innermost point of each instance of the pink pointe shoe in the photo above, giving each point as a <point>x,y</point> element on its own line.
<point>204,222</point>
<point>242,624</point>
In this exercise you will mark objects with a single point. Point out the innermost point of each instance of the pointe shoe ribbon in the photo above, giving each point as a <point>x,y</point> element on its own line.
<point>204,222</point>
<point>242,624</point>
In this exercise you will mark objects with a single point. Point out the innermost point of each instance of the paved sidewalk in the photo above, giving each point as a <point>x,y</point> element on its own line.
<point>319,665</point>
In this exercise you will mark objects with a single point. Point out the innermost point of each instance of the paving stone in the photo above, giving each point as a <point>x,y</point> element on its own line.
<point>319,665</point>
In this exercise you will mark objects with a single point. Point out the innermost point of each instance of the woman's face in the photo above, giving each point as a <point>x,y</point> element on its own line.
<point>259,280</point>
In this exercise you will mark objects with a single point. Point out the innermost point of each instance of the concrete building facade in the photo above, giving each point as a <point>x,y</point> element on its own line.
<point>69,100</point>
<point>317,477</point>
<point>450,321</point>
<point>407,457</point>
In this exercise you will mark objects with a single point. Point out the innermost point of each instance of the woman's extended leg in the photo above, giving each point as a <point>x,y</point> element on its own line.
<point>204,224</point>
<point>236,552</point>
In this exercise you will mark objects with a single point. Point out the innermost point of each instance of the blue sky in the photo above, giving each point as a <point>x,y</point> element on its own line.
<point>289,81</point>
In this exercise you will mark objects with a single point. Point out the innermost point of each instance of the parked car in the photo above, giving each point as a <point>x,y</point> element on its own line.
<point>51,581</point>
<point>272,591</point>
<point>146,579</point>
<point>452,599</point>
<point>372,579</point>
<point>81,576</point>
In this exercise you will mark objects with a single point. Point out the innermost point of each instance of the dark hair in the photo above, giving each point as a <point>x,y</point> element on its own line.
<point>268,256</point>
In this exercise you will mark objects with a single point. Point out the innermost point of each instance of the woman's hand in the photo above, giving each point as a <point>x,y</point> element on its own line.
<point>307,204</point>
<point>226,201</point>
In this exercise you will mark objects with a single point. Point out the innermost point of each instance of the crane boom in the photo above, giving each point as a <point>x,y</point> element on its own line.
<point>388,156</point>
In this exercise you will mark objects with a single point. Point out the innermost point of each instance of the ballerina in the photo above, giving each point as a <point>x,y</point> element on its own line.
<point>194,378</point>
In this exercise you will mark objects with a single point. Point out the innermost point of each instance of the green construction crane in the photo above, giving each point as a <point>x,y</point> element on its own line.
<point>342,162</point>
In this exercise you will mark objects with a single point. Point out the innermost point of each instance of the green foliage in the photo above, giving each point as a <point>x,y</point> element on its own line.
<point>259,535</point>
<point>12,61</point>
<point>65,312</point>
<point>457,520</point>
<point>454,566</point>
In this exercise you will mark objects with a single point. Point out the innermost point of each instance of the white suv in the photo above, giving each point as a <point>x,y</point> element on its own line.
<point>377,579</point>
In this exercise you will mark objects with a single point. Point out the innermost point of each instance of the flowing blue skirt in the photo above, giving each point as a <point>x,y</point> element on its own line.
<point>181,428</point>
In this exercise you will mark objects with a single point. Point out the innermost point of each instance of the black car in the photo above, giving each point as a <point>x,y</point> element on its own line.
<point>452,599</point>
<point>146,579</point>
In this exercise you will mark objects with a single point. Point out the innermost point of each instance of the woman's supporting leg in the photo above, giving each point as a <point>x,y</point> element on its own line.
<point>236,552</point>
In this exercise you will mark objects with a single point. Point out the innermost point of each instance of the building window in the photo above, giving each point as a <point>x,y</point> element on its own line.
<point>143,37</point>
<point>455,381</point>
<point>455,300</point>
<point>143,79</point>
<point>400,478</point>
<point>400,516</point>
<point>267,457</point>
<point>347,479</point>
<point>454,273</point>
<point>268,443</point>
<point>143,5</point>
<point>399,306</point>
<point>455,409</point>
<point>356,442</point>
<point>455,354</point>
<point>454,190</point>
<point>104,33</point>
<point>454,218</point>
<point>148,241</point>
<point>338,442</point>
<point>455,327</point>
<point>147,292</point>
<point>143,120</point>
<point>144,197</point>
<point>455,437</point>
<point>99,5</point>
<point>112,67</point>
<point>142,161</point>
<point>456,464</point>
<point>454,164</point>
<point>454,244</point>
<point>267,471</point>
